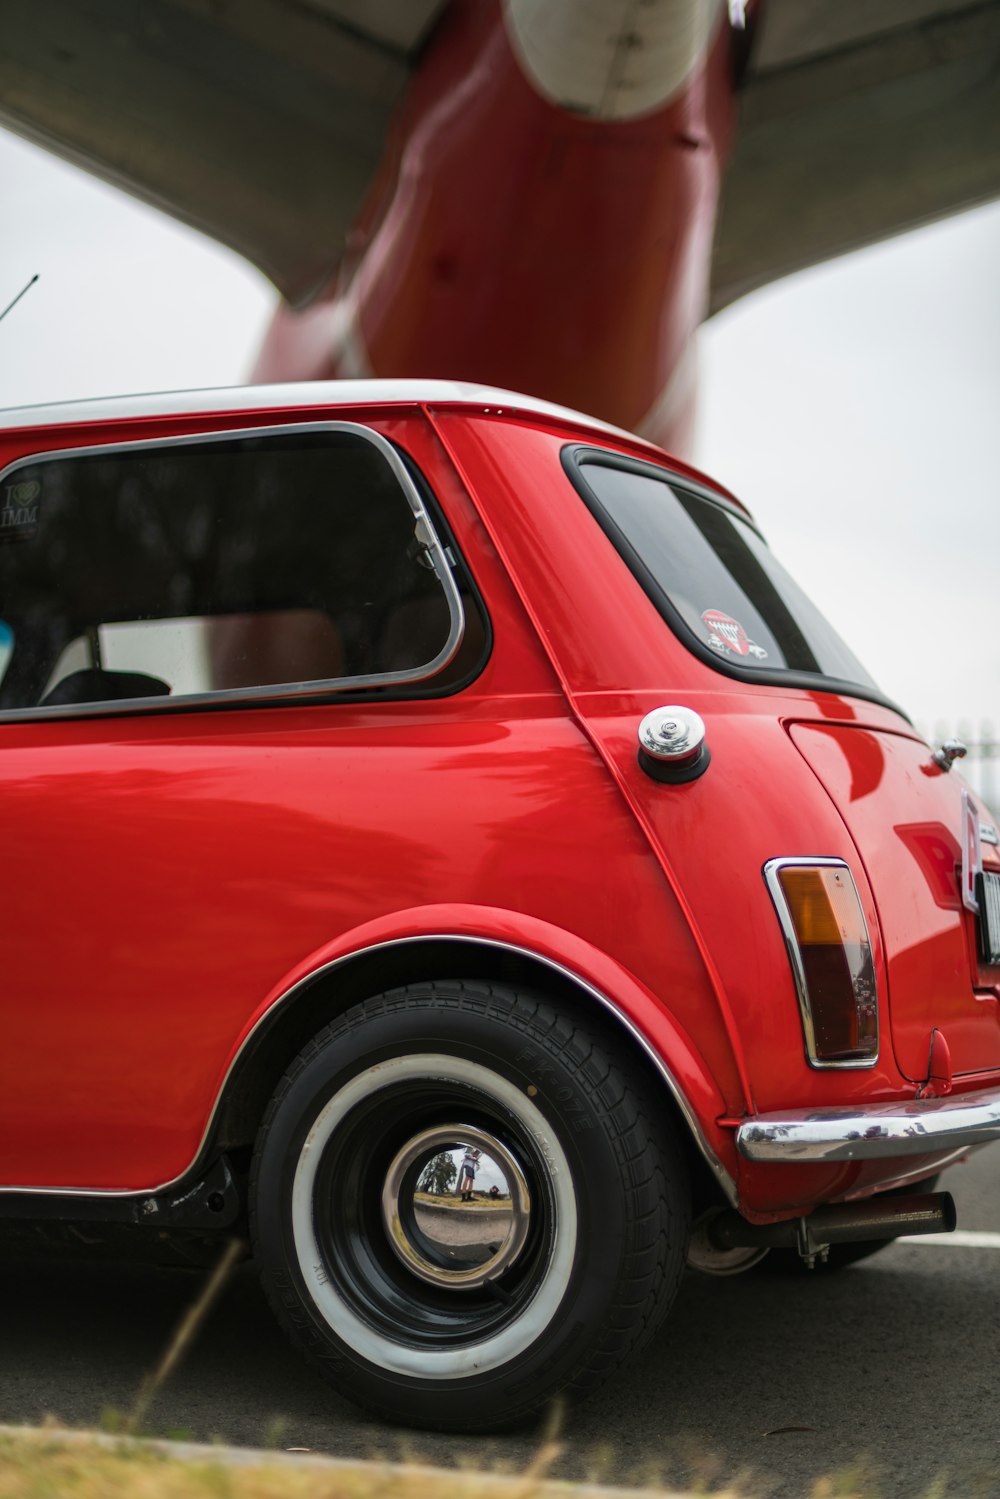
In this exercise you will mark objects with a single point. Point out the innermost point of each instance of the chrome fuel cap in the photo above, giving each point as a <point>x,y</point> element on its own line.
<point>672,744</point>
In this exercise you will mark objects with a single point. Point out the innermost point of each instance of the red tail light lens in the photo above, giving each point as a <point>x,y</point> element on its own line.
<point>831,955</point>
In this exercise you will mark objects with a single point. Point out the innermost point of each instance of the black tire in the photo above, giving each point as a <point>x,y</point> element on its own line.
<point>839,1256</point>
<point>609,1210</point>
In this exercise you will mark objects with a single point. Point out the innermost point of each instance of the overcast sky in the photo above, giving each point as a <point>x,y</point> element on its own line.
<point>853,407</point>
<point>856,409</point>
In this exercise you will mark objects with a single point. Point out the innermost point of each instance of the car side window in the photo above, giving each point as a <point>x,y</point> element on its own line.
<point>265,565</point>
<point>710,573</point>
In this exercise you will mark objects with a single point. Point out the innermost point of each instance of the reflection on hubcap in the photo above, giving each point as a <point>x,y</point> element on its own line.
<point>444,1235</point>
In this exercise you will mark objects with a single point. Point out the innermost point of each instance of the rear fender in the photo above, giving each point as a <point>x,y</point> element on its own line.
<point>452,941</point>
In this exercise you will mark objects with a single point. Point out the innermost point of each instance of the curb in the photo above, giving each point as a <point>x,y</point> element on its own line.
<point>496,1485</point>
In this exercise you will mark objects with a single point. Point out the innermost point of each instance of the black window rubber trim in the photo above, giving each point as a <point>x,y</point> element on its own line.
<point>575,456</point>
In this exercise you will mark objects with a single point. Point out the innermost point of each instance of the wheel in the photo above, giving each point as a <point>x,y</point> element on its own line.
<point>839,1256</point>
<point>466,1311</point>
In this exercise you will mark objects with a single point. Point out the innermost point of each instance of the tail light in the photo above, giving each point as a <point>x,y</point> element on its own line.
<point>831,954</point>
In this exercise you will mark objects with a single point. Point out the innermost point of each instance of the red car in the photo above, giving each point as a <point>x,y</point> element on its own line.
<point>412,790</point>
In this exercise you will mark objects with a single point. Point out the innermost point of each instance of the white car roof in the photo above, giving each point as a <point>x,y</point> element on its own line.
<point>325,393</point>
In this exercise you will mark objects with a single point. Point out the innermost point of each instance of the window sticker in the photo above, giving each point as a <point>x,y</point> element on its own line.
<point>727,634</point>
<point>19,509</point>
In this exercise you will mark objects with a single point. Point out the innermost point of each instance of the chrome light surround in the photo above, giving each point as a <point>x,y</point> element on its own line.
<point>772,876</point>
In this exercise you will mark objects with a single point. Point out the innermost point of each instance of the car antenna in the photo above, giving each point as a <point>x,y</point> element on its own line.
<point>20,294</point>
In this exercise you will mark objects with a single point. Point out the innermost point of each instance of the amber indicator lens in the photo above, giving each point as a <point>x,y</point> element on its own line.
<point>835,968</point>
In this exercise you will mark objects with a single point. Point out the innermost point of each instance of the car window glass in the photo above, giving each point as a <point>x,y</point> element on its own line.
<point>274,559</point>
<point>718,574</point>
<point>208,653</point>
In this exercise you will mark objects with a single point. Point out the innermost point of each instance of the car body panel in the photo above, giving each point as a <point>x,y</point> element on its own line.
<point>180,875</point>
<point>185,872</point>
<point>931,961</point>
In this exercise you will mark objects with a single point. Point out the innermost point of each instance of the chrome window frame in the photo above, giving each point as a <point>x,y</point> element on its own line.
<point>771,871</point>
<point>279,693</point>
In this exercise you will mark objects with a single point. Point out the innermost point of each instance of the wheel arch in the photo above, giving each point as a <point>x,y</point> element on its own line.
<point>330,989</point>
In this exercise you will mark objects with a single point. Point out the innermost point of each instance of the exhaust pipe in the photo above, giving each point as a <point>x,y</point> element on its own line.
<point>841,1223</point>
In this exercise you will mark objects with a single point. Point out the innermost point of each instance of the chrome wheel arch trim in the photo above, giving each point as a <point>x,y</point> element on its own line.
<point>719,1171</point>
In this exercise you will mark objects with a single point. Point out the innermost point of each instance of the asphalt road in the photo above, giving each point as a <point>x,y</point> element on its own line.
<point>889,1368</point>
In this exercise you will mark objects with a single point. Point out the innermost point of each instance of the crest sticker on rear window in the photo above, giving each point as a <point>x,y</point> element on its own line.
<point>727,636</point>
<point>19,509</point>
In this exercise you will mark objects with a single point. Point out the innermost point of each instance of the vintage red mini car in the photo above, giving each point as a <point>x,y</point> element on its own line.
<point>445,846</point>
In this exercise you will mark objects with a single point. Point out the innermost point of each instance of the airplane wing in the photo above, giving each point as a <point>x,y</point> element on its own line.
<point>263,122</point>
<point>857,121</point>
<point>260,122</point>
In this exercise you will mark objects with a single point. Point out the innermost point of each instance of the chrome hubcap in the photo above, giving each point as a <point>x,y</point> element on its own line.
<point>449,1238</point>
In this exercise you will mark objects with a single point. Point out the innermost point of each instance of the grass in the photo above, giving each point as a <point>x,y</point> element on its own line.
<point>51,1465</point>
<point>450,1200</point>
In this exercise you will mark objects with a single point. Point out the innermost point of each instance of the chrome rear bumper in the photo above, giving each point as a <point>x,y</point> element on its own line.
<point>924,1126</point>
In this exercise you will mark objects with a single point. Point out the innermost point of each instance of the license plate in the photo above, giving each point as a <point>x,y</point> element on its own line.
<point>988,893</point>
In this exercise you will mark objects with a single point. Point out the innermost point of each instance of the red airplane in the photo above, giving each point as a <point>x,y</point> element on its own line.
<point>520,192</point>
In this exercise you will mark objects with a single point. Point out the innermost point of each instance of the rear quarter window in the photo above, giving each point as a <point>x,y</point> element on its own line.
<point>711,575</point>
